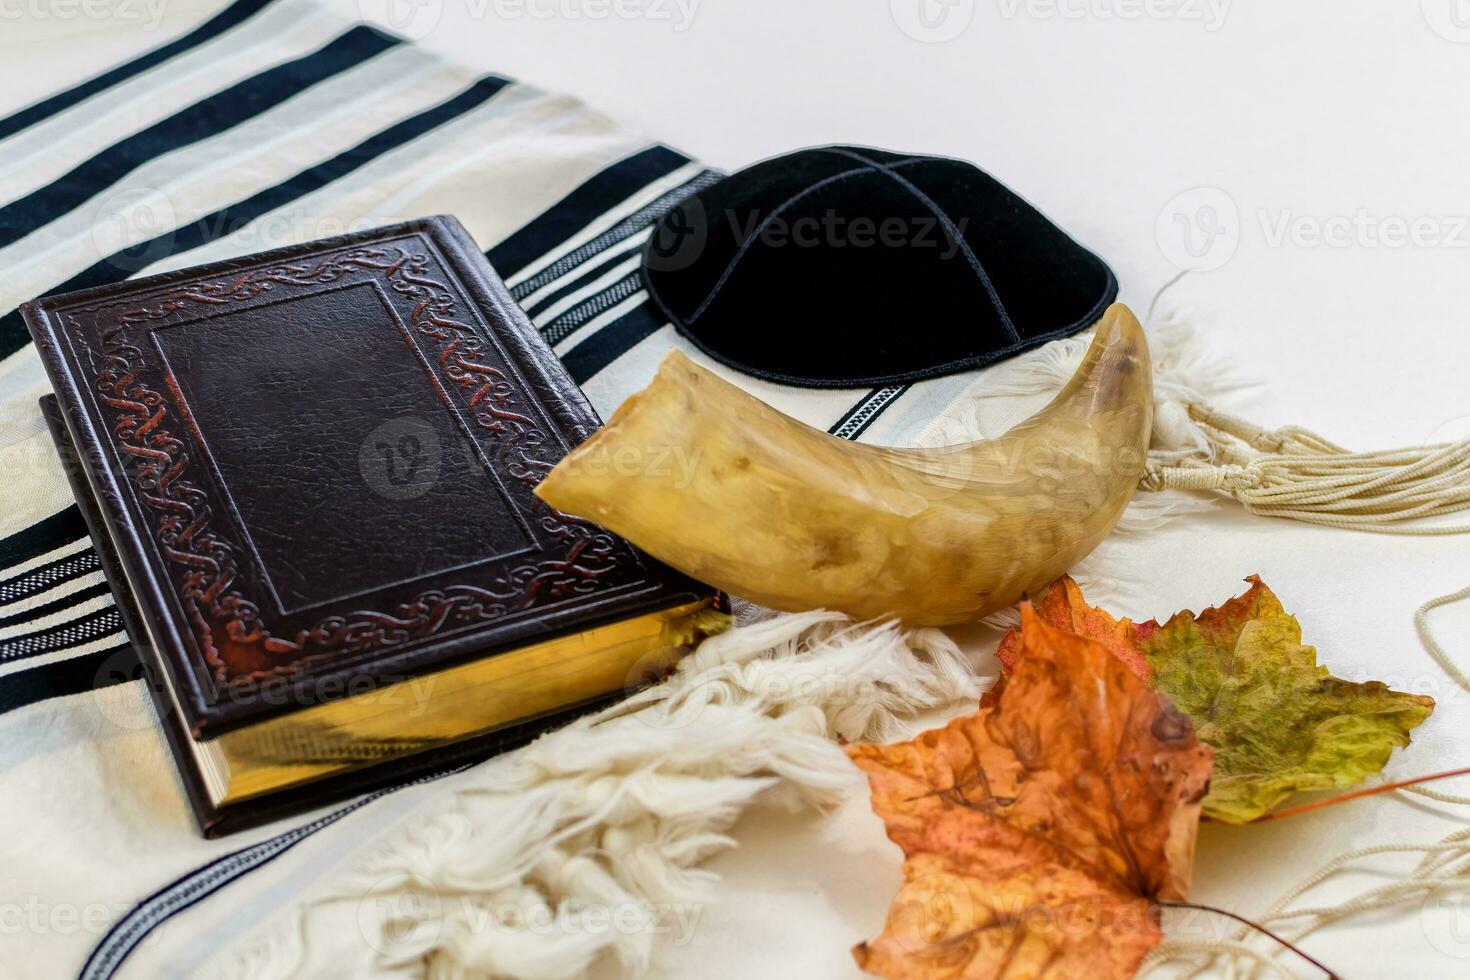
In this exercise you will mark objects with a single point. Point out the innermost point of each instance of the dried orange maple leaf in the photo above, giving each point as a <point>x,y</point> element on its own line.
<point>1039,833</point>
<point>1063,606</point>
<point>1278,721</point>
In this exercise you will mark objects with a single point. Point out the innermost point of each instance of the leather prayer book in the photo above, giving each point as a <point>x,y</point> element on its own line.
<point>308,474</point>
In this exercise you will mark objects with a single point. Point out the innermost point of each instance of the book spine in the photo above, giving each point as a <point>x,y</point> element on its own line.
<point>156,677</point>
<point>95,483</point>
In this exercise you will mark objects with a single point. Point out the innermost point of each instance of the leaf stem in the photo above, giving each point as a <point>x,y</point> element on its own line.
<point>1293,811</point>
<point>1331,975</point>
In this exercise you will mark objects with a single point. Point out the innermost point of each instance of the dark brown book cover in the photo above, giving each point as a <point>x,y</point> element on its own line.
<point>315,468</point>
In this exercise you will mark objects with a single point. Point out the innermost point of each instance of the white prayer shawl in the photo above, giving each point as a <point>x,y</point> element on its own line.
<point>237,128</point>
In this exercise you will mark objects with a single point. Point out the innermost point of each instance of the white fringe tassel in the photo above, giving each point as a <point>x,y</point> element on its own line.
<point>1288,472</point>
<point>497,870</point>
<point>1296,474</point>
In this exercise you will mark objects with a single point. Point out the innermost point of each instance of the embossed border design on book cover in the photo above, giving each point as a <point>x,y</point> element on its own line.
<point>202,557</point>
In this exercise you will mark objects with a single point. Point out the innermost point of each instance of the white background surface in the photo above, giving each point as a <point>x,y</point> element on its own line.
<point>1347,116</point>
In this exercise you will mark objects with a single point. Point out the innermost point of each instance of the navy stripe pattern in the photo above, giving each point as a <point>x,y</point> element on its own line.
<point>90,672</point>
<point>230,17</point>
<point>594,197</point>
<point>563,325</point>
<point>596,271</point>
<point>226,221</point>
<point>598,351</point>
<point>94,626</point>
<point>48,576</point>
<point>46,609</point>
<point>203,119</point>
<point>60,528</point>
<point>866,411</point>
<point>640,220</point>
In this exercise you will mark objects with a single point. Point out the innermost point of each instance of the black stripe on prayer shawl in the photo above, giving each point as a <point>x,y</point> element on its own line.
<point>638,221</point>
<point>62,527</point>
<point>565,324</point>
<point>185,892</point>
<point>93,626</point>
<point>866,411</point>
<point>228,220</point>
<point>592,355</point>
<point>593,198</point>
<point>595,270</point>
<point>48,576</point>
<point>79,675</point>
<point>578,269</point>
<point>202,120</point>
<point>232,16</point>
<point>47,609</point>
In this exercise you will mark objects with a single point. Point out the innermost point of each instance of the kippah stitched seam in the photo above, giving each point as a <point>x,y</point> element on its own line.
<point>745,246</point>
<point>943,216</point>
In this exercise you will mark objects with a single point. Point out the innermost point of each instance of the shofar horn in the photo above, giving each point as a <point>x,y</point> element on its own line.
<point>725,488</point>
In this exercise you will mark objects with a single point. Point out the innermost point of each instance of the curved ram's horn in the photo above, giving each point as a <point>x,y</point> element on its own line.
<point>730,491</point>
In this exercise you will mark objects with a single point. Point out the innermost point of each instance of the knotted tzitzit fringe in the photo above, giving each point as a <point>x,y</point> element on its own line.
<point>1443,868</point>
<point>1288,472</point>
<point>1297,474</point>
<point>501,871</point>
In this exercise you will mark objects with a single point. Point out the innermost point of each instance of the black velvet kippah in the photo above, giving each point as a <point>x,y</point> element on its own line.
<point>840,266</point>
